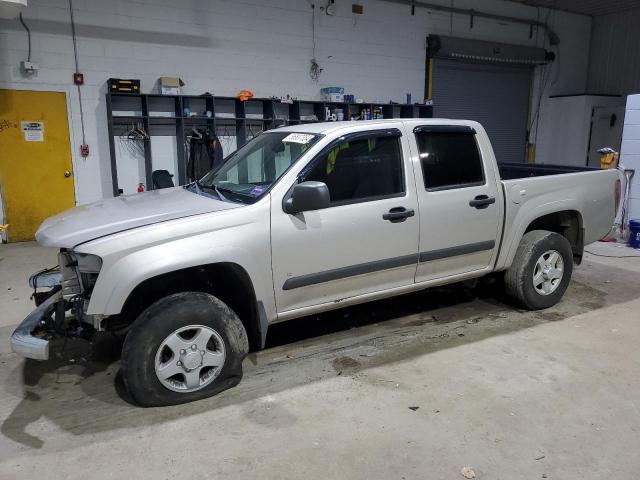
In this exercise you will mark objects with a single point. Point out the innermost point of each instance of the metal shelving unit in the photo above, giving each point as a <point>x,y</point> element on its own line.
<point>185,112</point>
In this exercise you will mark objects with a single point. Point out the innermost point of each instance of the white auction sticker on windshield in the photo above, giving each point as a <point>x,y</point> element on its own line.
<point>303,138</point>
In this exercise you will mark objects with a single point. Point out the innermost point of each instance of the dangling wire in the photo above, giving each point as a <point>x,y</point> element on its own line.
<point>313,30</point>
<point>28,36</point>
<point>314,69</point>
<point>75,56</point>
<point>544,76</point>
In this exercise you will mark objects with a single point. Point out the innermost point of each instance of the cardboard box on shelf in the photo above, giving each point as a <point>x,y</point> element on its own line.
<point>170,85</point>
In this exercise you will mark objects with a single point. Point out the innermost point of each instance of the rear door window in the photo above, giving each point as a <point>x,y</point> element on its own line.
<point>450,158</point>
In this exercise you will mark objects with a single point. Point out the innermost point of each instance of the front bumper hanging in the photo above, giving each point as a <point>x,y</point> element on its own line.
<point>23,340</point>
<point>60,311</point>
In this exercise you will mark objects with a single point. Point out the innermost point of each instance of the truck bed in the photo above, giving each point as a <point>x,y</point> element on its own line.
<point>511,171</point>
<point>532,191</point>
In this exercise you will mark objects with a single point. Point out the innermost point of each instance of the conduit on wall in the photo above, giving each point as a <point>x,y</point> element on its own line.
<point>471,13</point>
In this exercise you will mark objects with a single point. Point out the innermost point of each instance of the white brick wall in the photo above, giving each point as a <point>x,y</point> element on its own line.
<point>630,151</point>
<point>223,46</point>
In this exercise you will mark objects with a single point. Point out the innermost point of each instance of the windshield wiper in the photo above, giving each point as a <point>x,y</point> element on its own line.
<point>228,196</point>
<point>201,186</point>
<point>238,195</point>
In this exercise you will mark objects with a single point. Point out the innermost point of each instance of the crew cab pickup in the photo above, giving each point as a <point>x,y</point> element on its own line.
<point>300,220</point>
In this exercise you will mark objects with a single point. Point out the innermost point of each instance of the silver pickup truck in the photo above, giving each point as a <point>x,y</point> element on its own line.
<point>300,220</point>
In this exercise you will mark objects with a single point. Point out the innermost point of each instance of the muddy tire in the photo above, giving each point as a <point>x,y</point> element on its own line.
<point>184,347</point>
<point>541,270</point>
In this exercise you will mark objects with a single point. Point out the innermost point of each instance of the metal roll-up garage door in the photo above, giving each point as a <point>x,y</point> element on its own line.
<point>497,96</point>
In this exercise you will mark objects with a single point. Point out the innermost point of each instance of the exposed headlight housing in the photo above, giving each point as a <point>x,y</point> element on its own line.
<point>79,273</point>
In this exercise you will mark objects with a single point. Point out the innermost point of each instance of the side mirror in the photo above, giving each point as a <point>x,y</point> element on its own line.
<point>307,196</point>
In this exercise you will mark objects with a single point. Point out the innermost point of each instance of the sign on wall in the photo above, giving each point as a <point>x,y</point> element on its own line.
<point>33,131</point>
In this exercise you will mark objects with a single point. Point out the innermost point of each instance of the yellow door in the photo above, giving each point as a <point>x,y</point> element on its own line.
<point>36,178</point>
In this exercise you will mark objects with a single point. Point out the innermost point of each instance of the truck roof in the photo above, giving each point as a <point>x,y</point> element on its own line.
<point>327,127</point>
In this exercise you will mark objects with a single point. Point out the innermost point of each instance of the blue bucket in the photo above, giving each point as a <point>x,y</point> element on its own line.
<point>634,235</point>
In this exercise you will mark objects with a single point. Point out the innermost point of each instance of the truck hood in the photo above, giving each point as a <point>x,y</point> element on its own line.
<point>88,222</point>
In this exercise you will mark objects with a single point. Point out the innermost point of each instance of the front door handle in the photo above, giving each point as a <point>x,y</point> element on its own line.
<point>482,201</point>
<point>67,174</point>
<point>398,214</point>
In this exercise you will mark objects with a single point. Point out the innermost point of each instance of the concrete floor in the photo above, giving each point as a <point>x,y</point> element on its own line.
<point>511,394</point>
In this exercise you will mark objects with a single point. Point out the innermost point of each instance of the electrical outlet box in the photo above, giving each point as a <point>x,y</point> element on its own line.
<point>357,9</point>
<point>29,68</point>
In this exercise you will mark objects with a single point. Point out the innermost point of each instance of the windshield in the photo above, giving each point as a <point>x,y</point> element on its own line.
<point>252,169</point>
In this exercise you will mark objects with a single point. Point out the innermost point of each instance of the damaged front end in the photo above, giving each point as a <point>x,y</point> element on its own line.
<point>61,309</point>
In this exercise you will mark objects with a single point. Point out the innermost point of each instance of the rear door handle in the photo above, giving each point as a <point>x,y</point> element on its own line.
<point>398,214</point>
<point>482,201</point>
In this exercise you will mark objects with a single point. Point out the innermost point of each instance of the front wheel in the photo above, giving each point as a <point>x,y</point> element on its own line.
<point>184,347</point>
<point>541,270</point>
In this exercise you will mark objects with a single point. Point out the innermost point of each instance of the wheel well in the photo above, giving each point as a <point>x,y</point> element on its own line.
<point>567,223</point>
<point>228,282</point>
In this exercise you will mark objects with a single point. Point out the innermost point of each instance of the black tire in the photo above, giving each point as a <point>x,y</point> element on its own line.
<point>518,279</point>
<point>159,321</point>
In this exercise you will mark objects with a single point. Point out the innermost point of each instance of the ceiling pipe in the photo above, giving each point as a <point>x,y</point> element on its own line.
<point>554,39</point>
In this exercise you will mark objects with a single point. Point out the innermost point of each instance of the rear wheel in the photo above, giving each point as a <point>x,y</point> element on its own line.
<point>182,348</point>
<point>541,270</point>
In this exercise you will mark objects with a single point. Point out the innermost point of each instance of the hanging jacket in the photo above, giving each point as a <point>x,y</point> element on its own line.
<point>205,153</point>
<point>215,150</point>
<point>199,160</point>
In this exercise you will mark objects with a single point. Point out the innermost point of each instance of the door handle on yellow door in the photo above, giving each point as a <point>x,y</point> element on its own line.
<point>67,174</point>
